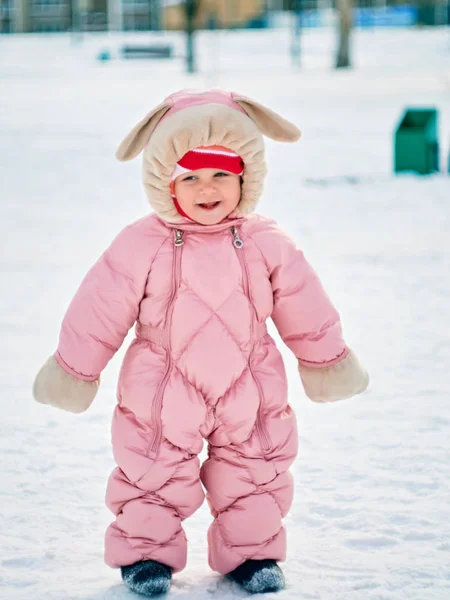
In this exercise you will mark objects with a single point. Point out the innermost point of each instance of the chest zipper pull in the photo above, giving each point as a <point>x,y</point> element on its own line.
<point>237,242</point>
<point>179,237</point>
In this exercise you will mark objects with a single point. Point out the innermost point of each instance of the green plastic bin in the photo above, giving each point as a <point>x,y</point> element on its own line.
<point>416,141</point>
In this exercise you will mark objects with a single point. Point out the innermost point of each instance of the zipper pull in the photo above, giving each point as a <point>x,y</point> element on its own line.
<point>237,242</point>
<point>179,237</point>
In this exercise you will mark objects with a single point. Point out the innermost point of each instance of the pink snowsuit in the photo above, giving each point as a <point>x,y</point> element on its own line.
<point>202,366</point>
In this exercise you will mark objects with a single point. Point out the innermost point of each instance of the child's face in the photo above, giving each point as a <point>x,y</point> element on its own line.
<point>208,195</point>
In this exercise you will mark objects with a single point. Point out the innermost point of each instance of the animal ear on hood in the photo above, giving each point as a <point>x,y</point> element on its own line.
<point>268,122</point>
<point>138,137</point>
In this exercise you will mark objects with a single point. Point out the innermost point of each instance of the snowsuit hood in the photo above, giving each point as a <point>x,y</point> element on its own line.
<point>188,119</point>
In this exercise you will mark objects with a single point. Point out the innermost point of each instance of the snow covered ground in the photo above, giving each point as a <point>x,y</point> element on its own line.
<point>371,516</point>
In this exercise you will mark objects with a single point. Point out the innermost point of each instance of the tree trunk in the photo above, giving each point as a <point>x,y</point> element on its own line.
<point>345,26</point>
<point>191,8</point>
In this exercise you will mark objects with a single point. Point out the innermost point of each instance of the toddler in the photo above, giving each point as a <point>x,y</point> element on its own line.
<point>199,277</point>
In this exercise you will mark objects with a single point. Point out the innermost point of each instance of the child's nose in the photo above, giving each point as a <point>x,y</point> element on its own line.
<point>207,187</point>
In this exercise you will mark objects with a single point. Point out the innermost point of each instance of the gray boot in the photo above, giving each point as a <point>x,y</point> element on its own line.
<point>148,578</point>
<point>258,576</point>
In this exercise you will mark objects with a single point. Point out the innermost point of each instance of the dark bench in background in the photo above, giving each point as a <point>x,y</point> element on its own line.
<point>147,51</point>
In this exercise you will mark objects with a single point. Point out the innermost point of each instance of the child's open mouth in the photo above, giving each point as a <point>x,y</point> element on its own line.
<point>209,205</point>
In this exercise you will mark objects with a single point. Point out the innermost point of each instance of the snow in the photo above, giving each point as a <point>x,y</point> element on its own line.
<point>371,515</point>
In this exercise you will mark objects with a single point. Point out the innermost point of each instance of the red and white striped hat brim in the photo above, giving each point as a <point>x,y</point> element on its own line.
<point>209,157</point>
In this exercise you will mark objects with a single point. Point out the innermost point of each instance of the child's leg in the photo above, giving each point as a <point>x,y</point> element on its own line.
<point>150,497</point>
<point>249,490</point>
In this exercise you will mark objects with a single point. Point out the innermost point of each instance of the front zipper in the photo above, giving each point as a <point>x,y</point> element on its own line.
<point>260,427</point>
<point>157,404</point>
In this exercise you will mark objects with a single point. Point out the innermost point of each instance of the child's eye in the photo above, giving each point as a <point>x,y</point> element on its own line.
<point>189,178</point>
<point>221,174</point>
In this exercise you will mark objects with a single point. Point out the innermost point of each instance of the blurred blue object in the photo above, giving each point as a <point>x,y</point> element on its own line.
<point>104,55</point>
<point>385,16</point>
<point>363,16</point>
<point>260,22</point>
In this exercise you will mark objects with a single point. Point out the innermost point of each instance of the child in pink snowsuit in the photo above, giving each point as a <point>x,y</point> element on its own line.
<point>199,277</point>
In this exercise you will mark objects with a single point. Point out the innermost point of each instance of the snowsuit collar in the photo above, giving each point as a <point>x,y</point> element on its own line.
<point>189,227</point>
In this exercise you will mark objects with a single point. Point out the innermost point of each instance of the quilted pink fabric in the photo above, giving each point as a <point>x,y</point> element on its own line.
<point>202,366</point>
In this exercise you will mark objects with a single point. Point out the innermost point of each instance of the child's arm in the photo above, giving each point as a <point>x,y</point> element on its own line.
<point>97,320</point>
<point>308,322</point>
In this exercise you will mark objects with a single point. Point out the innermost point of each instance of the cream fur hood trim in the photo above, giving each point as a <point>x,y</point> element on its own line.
<point>343,380</point>
<point>56,387</point>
